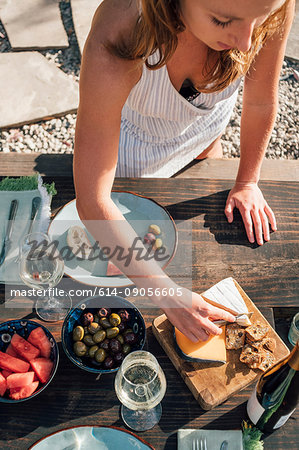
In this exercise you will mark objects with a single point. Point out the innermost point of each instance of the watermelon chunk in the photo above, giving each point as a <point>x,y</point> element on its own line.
<point>24,348</point>
<point>112,270</point>
<point>13,364</point>
<point>39,339</point>
<point>24,392</point>
<point>19,380</point>
<point>43,368</point>
<point>6,373</point>
<point>3,385</point>
<point>10,351</point>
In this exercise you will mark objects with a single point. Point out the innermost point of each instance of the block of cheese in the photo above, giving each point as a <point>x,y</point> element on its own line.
<point>212,350</point>
<point>224,295</point>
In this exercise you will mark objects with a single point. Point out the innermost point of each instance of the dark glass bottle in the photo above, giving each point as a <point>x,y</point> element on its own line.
<point>276,394</point>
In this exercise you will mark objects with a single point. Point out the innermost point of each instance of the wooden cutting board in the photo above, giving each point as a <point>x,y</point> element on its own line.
<point>210,385</point>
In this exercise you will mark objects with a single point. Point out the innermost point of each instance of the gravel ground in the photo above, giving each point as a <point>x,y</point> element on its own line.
<point>57,135</point>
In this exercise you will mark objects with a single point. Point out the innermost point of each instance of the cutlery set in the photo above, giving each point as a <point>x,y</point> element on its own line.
<point>201,444</point>
<point>6,243</point>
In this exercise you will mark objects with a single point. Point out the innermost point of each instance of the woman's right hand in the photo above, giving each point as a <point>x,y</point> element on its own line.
<point>195,321</point>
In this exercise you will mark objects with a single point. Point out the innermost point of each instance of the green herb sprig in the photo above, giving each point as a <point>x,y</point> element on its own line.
<point>251,437</point>
<point>25,183</point>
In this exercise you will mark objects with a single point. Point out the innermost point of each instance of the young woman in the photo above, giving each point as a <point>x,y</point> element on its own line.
<point>158,83</point>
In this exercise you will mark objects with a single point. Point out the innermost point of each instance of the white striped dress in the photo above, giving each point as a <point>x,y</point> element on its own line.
<point>161,131</point>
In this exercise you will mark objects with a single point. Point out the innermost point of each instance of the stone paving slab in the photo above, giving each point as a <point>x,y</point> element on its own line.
<point>33,88</point>
<point>83,12</point>
<point>292,50</point>
<point>33,24</point>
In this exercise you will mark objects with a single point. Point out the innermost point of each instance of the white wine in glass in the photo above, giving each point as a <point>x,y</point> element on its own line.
<point>140,386</point>
<point>41,267</point>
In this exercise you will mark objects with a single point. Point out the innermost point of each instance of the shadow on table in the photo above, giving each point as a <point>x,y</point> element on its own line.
<point>72,395</point>
<point>212,207</point>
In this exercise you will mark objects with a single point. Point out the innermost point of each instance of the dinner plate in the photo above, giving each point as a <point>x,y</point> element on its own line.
<point>95,438</point>
<point>139,211</point>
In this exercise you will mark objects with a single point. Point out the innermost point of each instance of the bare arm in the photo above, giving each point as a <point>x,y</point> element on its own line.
<point>260,101</point>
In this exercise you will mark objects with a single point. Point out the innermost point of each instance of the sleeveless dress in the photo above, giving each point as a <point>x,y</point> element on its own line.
<point>161,132</point>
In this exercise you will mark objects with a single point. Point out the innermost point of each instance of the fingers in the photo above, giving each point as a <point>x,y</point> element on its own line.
<point>220,314</point>
<point>247,220</point>
<point>265,225</point>
<point>271,217</point>
<point>257,227</point>
<point>229,208</point>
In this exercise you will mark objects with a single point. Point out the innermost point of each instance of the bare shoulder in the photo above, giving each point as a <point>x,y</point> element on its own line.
<point>113,20</point>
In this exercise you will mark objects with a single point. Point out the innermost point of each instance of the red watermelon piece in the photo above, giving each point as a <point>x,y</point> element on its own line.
<point>43,368</point>
<point>112,270</point>
<point>19,380</point>
<point>13,364</point>
<point>24,348</point>
<point>3,385</point>
<point>10,351</point>
<point>24,392</point>
<point>6,373</point>
<point>39,339</point>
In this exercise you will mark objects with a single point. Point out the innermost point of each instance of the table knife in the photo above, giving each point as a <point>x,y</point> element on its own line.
<point>7,241</point>
<point>225,322</point>
<point>36,201</point>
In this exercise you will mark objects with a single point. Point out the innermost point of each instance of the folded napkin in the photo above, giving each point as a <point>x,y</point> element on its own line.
<point>24,189</point>
<point>214,439</point>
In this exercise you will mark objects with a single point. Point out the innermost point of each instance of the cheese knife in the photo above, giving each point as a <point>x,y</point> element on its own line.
<point>7,238</point>
<point>36,201</point>
<point>226,322</point>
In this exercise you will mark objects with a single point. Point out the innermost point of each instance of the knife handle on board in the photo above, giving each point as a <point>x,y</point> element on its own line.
<point>12,215</point>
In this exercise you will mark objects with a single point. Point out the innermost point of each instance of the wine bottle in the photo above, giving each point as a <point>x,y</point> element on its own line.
<point>276,394</point>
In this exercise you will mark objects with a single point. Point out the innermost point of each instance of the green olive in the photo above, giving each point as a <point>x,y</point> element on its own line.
<point>88,340</point>
<point>94,327</point>
<point>92,351</point>
<point>112,332</point>
<point>128,330</point>
<point>114,319</point>
<point>100,355</point>
<point>99,336</point>
<point>120,338</point>
<point>78,333</point>
<point>105,322</point>
<point>80,348</point>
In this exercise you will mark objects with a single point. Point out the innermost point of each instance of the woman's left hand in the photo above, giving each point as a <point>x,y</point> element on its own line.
<point>254,209</point>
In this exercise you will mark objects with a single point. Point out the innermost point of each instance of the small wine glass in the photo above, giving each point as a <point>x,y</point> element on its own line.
<point>140,386</point>
<point>41,267</point>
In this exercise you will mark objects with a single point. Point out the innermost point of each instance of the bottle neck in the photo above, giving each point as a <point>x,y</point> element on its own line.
<point>293,362</point>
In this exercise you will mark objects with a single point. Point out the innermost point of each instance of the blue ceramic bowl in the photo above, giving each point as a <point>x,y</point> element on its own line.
<point>73,319</point>
<point>24,327</point>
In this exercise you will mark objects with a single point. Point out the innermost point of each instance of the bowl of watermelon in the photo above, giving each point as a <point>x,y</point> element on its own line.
<point>28,360</point>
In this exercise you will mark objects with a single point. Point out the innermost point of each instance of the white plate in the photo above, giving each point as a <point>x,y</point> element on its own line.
<point>91,438</point>
<point>139,211</point>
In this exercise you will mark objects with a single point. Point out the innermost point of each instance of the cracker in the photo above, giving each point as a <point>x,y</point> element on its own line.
<point>256,332</point>
<point>251,357</point>
<point>235,337</point>
<point>268,360</point>
<point>266,344</point>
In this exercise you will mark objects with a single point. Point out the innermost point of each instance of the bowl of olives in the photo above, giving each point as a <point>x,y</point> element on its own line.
<point>99,332</point>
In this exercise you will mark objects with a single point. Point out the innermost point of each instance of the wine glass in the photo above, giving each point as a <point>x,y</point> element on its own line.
<point>140,385</point>
<point>41,267</point>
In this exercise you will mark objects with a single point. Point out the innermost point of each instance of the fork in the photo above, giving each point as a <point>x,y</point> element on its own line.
<point>199,444</point>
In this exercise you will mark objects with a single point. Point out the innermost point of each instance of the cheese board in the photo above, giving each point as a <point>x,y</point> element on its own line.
<point>213,384</point>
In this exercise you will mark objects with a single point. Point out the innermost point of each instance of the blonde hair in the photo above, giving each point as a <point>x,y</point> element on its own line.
<point>157,29</point>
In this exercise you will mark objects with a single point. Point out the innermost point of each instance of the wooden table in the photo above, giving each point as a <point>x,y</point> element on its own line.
<point>269,275</point>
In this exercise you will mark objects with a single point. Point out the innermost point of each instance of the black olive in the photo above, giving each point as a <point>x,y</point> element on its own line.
<point>108,363</point>
<point>115,345</point>
<point>105,344</point>
<point>130,338</point>
<point>118,358</point>
<point>121,327</point>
